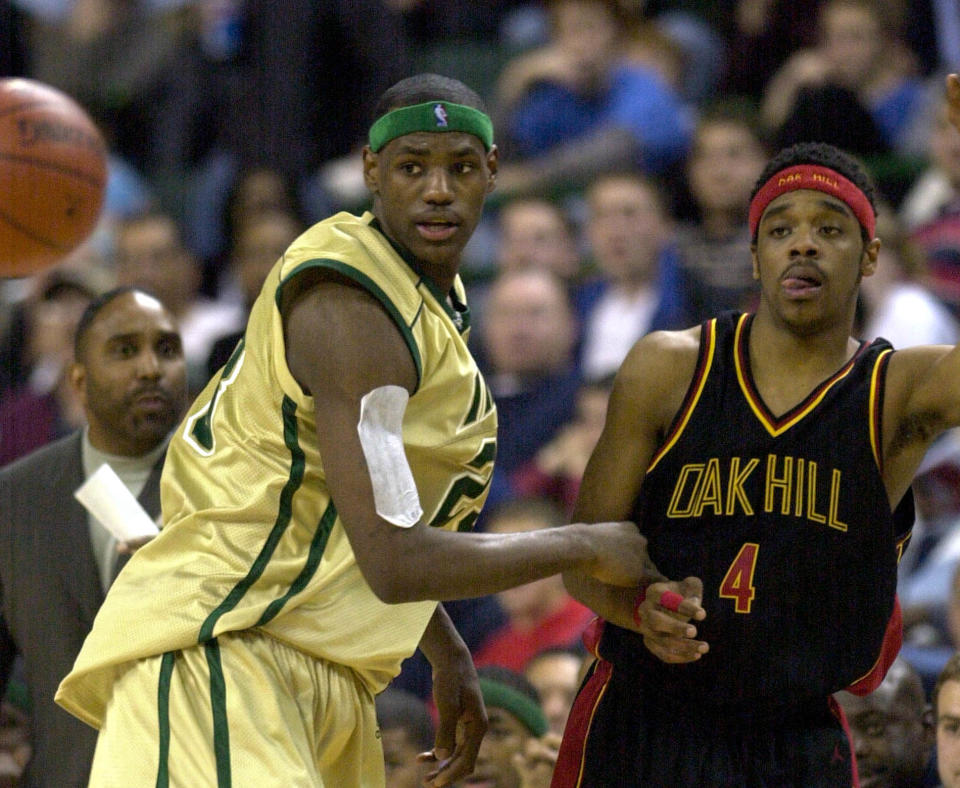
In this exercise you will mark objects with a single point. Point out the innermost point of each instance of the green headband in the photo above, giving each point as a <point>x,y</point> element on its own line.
<point>519,705</point>
<point>431,116</point>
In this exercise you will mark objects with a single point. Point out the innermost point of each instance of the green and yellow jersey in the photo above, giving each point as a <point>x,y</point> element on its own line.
<point>251,537</point>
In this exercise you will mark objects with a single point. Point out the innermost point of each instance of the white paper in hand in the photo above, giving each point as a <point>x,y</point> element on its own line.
<point>107,498</point>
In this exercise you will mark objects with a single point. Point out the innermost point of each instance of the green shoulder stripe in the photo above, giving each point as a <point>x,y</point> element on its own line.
<point>202,430</point>
<point>375,290</point>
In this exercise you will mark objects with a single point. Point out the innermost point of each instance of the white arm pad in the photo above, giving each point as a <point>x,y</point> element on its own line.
<point>381,437</point>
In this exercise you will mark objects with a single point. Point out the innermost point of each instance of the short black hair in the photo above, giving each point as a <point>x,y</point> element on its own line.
<point>93,309</point>
<point>397,708</point>
<point>427,87</point>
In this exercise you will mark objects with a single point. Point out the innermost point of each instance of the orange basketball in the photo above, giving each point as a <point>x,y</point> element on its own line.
<point>53,176</point>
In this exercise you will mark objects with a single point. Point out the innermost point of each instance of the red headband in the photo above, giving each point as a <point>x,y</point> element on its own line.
<point>821,179</point>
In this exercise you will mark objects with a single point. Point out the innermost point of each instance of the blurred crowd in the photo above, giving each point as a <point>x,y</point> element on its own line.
<point>631,134</point>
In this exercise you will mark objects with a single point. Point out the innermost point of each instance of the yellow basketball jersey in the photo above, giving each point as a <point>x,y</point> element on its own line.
<point>251,536</point>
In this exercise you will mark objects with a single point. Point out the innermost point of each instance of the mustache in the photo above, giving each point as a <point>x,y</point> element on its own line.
<point>160,392</point>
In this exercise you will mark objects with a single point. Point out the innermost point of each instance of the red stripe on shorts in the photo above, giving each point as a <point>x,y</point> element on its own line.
<point>570,762</point>
<point>837,711</point>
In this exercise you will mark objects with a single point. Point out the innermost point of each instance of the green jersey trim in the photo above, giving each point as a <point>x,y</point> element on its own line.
<point>376,291</point>
<point>459,313</point>
<point>317,545</point>
<point>163,719</point>
<point>218,704</point>
<point>284,514</point>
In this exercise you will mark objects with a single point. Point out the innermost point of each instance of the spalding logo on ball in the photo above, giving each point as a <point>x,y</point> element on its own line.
<point>53,176</point>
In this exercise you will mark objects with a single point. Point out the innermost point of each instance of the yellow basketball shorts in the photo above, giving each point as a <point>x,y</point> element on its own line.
<point>241,711</point>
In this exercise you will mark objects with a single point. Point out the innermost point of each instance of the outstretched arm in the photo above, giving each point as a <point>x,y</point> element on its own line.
<point>648,392</point>
<point>331,324</point>
<point>923,388</point>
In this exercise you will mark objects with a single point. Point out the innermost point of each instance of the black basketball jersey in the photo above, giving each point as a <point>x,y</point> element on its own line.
<point>786,520</point>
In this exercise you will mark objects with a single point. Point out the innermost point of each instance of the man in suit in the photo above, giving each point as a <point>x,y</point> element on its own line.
<point>56,561</point>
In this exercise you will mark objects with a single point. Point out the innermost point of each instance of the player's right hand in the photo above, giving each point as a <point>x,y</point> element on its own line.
<point>669,633</point>
<point>622,557</point>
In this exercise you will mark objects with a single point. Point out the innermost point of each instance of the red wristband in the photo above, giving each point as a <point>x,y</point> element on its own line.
<point>671,600</point>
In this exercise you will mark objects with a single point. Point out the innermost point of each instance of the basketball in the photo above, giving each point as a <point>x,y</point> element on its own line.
<point>53,176</point>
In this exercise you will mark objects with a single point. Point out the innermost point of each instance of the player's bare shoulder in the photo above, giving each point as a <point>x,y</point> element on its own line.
<point>918,376</point>
<point>922,385</point>
<point>668,356</point>
<point>657,372</point>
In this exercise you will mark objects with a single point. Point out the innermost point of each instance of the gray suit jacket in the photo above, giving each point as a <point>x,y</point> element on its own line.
<point>49,595</point>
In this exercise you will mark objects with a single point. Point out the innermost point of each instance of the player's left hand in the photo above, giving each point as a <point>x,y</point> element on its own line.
<point>665,619</point>
<point>462,721</point>
<point>953,99</point>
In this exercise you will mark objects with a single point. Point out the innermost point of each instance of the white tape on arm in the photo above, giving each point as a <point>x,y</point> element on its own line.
<point>381,437</point>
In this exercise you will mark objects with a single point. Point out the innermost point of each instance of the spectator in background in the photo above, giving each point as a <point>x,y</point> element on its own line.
<point>256,191</point>
<point>555,672</point>
<point>761,35</point>
<point>20,350</point>
<point>929,643</point>
<point>15,749</point>
<point>56,560</point>
<point>535,232</point>
<point>150,254</point>
<point>556,470</point>
<point>892,729</point>
<point>896,302</point>
<point>860,60</point>
<point>642,288</point>
<point>686,34</point>
<point>946,711</point>
<point>515,724</point>
<point>936,190</point>
<point>260,241</point>
<point>406,730</point>
<point>540,613</point>
<point>293,90</point>
<point>527,355</point>
<point>938,236</point>
<point>579,104</point>
<point>38,404</point>
<point>926,571</point>
<point>467,39</point>
<point>725,161</point>
<point>530,232</point>
<point>111,56</point>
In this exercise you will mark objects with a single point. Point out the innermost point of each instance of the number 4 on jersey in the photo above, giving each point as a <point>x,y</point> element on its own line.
<point>738,581</point>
